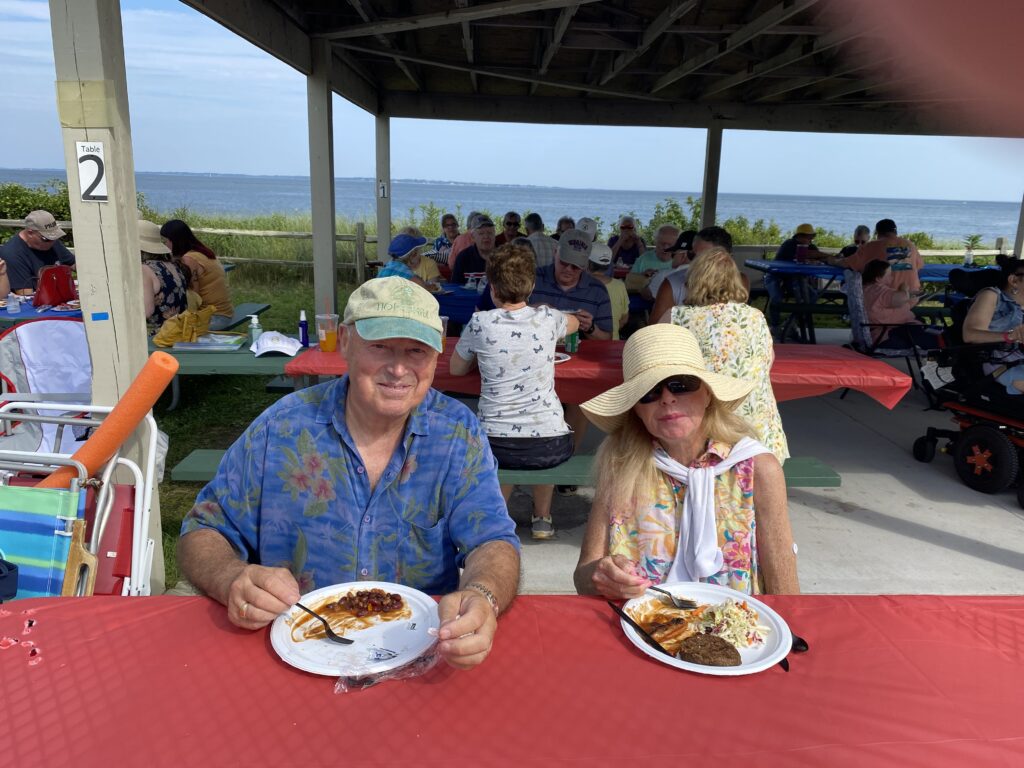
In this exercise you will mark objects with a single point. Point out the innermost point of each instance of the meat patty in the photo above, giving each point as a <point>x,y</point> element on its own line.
<point>709,650</point>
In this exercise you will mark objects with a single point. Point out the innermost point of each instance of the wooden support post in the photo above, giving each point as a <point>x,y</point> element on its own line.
<point>383,186</point>
<point>1018,243</point>
<point>321,176</point>
<point>360,253</point>
<point>712,165</point>
<point>92,104</point>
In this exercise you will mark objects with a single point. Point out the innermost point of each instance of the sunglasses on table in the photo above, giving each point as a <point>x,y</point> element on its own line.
<point>677,385</point>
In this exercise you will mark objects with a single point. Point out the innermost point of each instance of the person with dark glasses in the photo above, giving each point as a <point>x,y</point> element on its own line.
<point>684,490</point>
<point>509,229</point>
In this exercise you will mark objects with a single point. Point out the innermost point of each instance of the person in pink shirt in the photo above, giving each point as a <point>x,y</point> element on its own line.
<point>889,246</point>
<point>886,305</point>
<point>464,240</point>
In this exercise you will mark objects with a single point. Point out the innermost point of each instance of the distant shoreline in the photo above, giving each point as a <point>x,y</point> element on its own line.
<point>60,173</point>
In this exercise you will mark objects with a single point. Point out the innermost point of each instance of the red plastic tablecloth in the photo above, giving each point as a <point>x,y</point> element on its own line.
<point>889,680</point>
<point>799,371</point>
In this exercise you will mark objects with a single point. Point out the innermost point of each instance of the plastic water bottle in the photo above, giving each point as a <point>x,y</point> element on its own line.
<point>303,328</point>
<point>968,257</point>
<point>255,331</point>
<point>13,304</point>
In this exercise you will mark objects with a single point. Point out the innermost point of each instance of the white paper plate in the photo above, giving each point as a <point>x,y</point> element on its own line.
<point>378,648</point>
<point>561,357</point>
<point>754,659</point>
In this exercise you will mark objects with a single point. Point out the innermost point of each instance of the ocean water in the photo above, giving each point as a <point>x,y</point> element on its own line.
<point>946,220</point>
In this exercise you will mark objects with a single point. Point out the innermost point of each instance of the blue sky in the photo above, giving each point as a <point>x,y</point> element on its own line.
<point>203,100</point>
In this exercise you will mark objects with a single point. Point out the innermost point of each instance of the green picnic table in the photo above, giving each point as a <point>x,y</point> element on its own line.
<point>237,362</point>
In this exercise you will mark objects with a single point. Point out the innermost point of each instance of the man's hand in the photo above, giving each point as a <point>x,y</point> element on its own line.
<point>3,267</point>
<point>586,320</point>
<point>258,594</point>
<point>650,273</point>
<point>467,628</point>
<point>614,577</point>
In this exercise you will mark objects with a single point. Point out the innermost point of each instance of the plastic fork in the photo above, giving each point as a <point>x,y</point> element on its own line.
<point>679,602</point>
<point>331,634</point>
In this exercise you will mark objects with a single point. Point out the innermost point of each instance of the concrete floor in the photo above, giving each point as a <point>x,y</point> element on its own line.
<point>894,526</point>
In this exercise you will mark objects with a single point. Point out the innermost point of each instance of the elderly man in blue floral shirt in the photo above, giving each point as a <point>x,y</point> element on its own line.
<point>374,476</point>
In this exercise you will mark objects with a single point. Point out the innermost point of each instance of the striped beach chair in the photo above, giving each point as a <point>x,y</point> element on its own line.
<point>39,529</point>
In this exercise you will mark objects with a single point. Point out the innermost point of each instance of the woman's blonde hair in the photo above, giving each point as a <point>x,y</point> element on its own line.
<point>624,467</point>
<point>714,278</point>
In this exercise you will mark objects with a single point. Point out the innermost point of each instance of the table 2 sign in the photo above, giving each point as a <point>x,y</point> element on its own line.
<point>92,177</point>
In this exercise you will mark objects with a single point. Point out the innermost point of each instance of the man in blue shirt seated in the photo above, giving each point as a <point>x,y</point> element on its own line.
<point>34,247</point>
<point>566,285</point>
<point>374,476</point>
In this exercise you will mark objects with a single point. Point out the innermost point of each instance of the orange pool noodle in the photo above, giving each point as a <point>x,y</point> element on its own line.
<point>130,410</point>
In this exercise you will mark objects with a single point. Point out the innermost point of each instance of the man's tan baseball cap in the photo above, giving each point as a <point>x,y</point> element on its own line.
<point>394,308</point>
<point>44,223</point>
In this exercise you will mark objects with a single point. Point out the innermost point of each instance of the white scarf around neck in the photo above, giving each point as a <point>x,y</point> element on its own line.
<point>697,552</point>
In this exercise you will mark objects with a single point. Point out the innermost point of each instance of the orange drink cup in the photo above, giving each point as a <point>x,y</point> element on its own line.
<point>444,332</point>
<point>327,332</point>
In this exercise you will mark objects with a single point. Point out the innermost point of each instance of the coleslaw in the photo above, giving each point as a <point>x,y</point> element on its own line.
<point>735,622</point>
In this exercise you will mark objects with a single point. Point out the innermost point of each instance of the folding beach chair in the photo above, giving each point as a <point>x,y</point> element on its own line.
<point>105,543</point>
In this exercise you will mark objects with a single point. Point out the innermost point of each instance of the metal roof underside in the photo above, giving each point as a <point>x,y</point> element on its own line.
<point>796,65</point>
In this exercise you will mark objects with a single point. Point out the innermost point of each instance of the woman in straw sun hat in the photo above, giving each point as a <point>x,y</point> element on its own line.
<point>684,491</point>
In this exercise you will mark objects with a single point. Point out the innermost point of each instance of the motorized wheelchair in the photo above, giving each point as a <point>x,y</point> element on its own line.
<point>988,445</point>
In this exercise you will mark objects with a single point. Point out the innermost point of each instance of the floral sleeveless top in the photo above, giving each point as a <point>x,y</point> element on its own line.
<point>735,341</point>
<point>170,300</point>
<point>649,536</point>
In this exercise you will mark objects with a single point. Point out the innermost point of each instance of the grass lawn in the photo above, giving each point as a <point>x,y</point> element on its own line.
<point>214,410</point>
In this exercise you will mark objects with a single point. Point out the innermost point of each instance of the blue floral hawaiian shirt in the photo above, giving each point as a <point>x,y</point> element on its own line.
<point>293,492</point>
<point>396,268</point>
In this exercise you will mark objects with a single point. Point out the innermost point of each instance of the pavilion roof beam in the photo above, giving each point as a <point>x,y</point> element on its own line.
<point>581,87</point>
<point>446,18</point>
<point>467,45</point>
<point>748,32</point>
<point>362,8</point>
<point>672,11</point>
<point>791,55</point>
<point>516,22</point>
<point>554,42</point>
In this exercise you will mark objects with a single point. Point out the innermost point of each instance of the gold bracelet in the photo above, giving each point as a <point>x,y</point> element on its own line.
<point>476,586</point>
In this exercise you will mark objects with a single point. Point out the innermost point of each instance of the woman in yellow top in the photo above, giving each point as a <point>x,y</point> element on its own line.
<point>208,277</point>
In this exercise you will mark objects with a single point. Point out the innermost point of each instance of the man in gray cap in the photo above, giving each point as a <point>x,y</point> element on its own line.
<point>35,247</point>
<point>567,286</point>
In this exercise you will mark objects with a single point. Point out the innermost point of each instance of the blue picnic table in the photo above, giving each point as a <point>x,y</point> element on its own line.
<point>28,312</point>
<point>457,302</point>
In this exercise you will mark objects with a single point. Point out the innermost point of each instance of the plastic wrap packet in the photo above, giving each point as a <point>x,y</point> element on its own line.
<point>418,666</point>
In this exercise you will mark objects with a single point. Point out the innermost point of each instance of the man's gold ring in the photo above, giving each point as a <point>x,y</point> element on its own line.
<point>245,607</point>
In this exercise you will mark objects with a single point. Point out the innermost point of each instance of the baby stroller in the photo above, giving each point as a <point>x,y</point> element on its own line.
<point>988,444</point>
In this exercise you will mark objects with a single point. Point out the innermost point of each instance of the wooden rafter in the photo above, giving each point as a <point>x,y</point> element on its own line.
<point>581,87</point>
<point>781,12</point>
<point>664,20</point>
<point>446,18</point>
<point>362,8</point>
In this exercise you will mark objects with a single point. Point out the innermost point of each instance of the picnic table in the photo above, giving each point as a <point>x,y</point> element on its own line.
<point>457,302</point>
<point>28,312</point>
<point>167,681</point>
<point>798,372</point>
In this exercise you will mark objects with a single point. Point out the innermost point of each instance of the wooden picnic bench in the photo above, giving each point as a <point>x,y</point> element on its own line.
<point>801,472</point>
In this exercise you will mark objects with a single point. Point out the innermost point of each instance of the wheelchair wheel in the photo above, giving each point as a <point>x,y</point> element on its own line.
<point>1020,494</point>
<point>985,459</point>
<point>924,449</point>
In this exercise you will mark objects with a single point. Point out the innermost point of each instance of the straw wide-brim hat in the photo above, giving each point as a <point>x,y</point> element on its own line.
<point>652,355</point>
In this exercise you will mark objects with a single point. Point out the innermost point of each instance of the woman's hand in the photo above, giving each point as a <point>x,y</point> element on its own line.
<point>615,577</point>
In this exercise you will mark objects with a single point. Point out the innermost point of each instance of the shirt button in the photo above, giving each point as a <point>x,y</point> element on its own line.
<point>366,519</point>
<point>364,572</point>
<point>360,470</point>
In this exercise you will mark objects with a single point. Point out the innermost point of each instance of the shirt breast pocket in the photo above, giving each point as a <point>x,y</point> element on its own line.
<point>426,560</point>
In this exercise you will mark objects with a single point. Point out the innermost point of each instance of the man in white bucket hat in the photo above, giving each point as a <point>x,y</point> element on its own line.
<point>680,480</point>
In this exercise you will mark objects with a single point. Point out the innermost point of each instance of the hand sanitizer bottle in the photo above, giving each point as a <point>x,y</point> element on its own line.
<point>303,328</point>
<point>255,331</point>
<point>969,257</point>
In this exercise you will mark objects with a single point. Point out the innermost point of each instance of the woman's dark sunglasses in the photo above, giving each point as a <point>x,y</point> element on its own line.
<point>677,385</point>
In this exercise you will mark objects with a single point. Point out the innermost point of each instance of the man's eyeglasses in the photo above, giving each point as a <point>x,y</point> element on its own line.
<point>625,226</point>
<point>677,385</point>
<point>511,223</point>
<point>859,242</point>
<point>567,265</point>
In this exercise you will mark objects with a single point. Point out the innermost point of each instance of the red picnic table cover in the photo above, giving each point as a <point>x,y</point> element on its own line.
<point>166,681</point>
<point>799,371</point>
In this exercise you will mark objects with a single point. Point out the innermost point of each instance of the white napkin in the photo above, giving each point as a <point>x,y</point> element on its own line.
<point>701,556</point>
